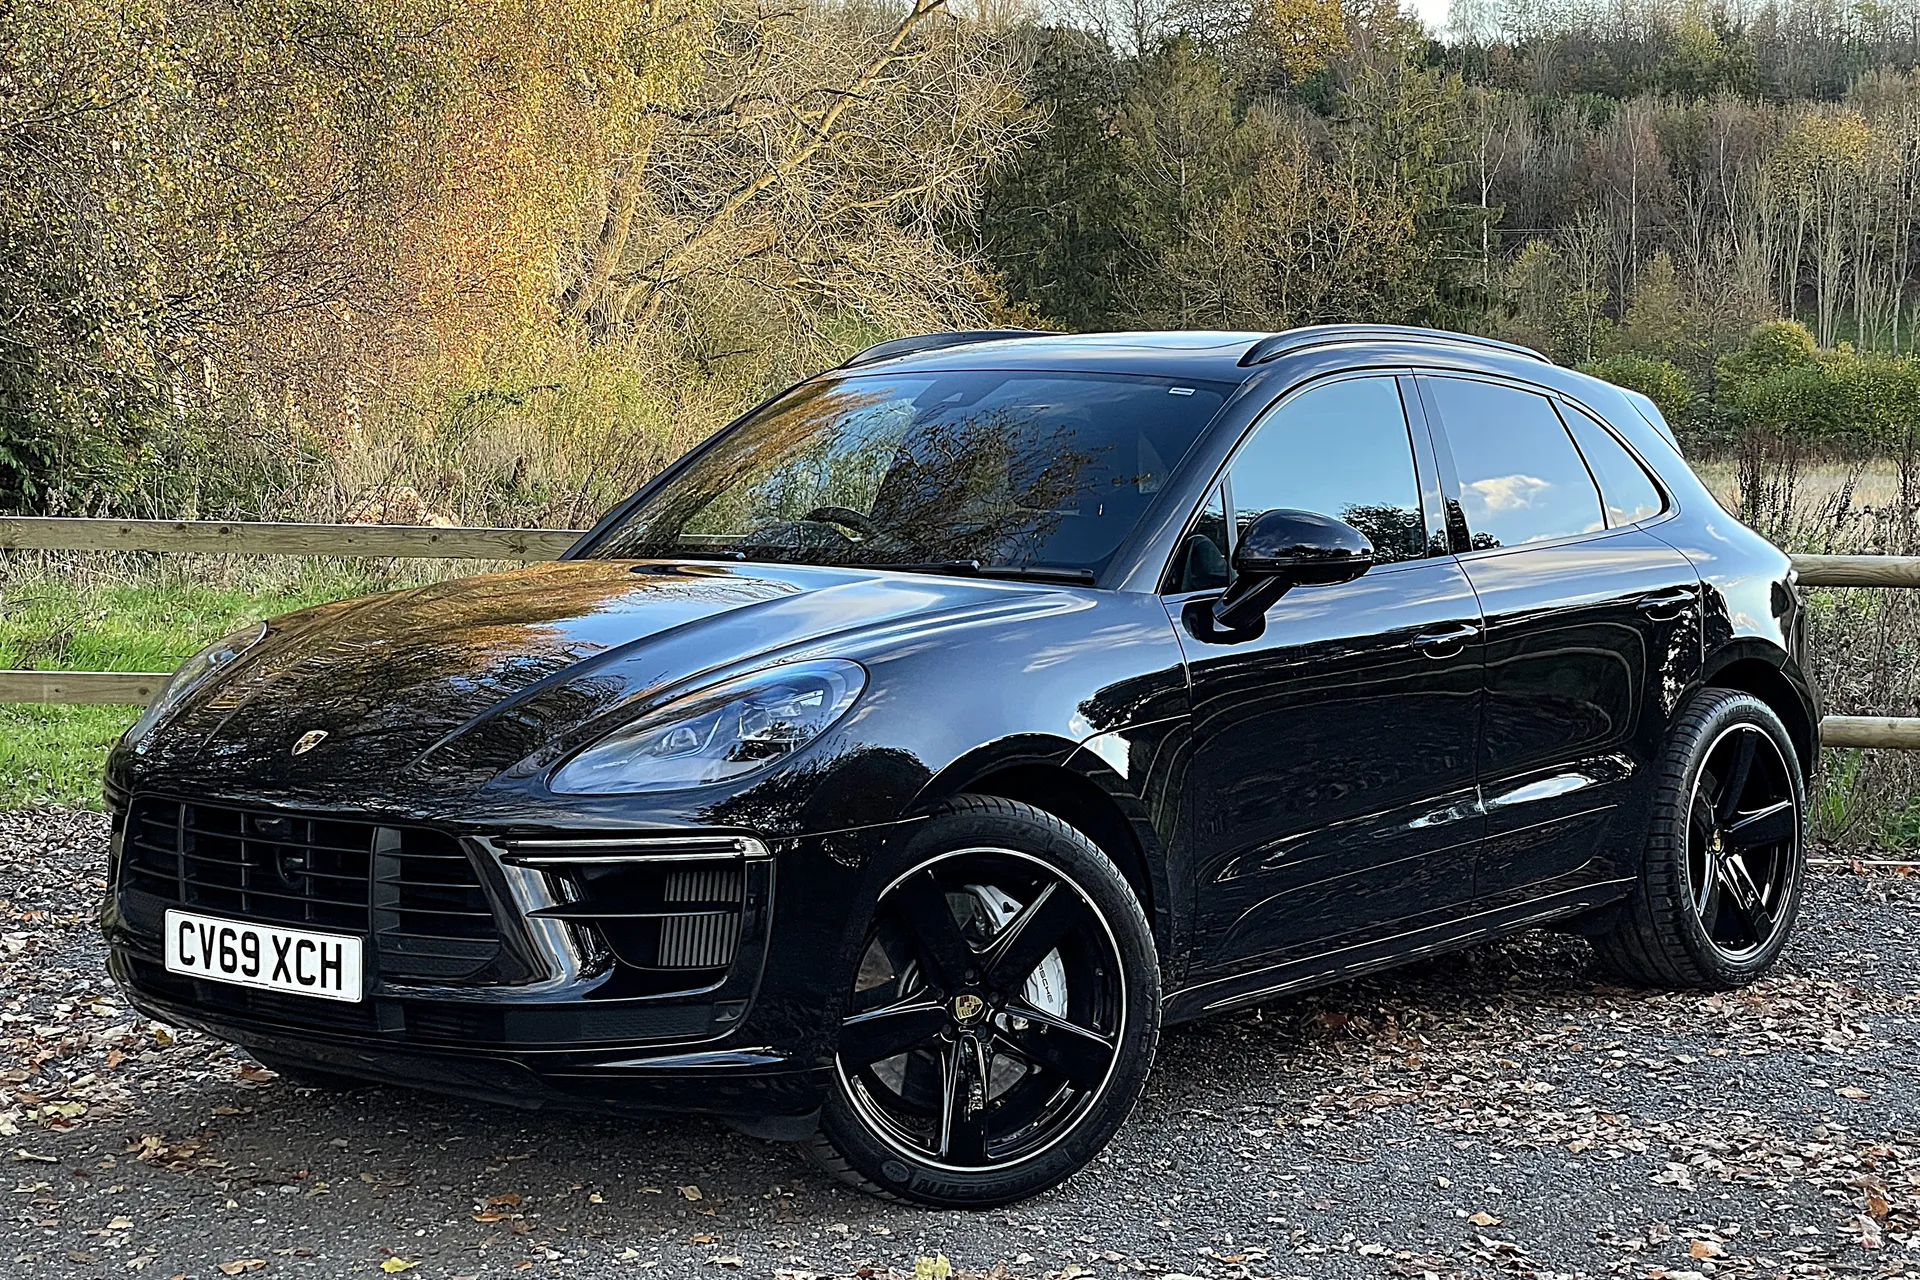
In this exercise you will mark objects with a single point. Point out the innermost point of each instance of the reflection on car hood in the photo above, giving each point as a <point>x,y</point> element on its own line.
<point>472,675</point>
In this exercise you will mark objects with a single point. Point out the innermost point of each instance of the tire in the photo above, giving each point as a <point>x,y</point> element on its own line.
<point>1720,886</point>
<point>977,1074</point>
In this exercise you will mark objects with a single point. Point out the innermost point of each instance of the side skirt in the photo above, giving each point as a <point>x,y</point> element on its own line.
<point>1221,994</point>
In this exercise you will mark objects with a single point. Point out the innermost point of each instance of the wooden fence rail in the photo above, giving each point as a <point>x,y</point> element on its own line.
<point>434,542</point>
<point>253,538</point>
<point>1857,571</point>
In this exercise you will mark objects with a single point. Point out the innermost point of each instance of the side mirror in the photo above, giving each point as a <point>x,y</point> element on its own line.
<point>1285,549</point>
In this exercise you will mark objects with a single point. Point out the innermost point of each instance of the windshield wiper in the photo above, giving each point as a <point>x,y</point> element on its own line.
<point>974,569</point>
<point>682,553</point>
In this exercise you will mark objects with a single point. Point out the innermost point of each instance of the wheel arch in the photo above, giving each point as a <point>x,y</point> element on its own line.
<point>1099,807</point>
<point>1764,677</point>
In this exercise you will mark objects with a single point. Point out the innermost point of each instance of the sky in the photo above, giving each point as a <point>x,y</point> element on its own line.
<point>1433,12</point>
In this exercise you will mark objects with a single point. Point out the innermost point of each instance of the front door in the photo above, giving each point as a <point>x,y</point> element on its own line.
<point>1593,629</point>
<point>1331,782</point>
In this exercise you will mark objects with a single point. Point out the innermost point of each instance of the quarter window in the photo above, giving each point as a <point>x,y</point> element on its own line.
<point>1201,562</point>
<point>1625,488</point>
<point>1521,479</point>
<point>1340,449</point>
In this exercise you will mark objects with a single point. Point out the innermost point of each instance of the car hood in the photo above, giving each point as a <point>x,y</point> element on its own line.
<point>470,677</point>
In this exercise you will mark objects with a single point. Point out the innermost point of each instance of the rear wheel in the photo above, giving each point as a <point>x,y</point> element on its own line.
<point>1720,888</point>
<point>1002,1017</point>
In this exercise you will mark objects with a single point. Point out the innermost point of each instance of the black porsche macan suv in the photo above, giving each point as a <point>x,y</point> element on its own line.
<point>886,773</point>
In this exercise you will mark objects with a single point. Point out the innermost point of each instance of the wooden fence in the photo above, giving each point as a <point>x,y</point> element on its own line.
<point>432,542</point>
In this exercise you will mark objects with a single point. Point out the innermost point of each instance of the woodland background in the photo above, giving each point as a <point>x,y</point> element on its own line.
<point>496,261</point>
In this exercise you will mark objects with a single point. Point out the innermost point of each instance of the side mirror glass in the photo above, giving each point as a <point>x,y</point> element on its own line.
<point>1285,549</point>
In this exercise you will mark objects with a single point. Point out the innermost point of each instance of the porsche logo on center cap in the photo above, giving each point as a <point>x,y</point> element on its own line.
<point>968,1007</point>
<point>308,741</point>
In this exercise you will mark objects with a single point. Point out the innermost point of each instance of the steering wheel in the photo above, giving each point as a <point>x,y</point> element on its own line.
<point>844,516</point>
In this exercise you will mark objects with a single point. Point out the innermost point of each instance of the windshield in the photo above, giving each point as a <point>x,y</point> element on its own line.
<point>981,470</point>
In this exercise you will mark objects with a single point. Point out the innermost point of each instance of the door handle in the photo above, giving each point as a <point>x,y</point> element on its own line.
<point>1664,606</point>
<point>1445,644</point>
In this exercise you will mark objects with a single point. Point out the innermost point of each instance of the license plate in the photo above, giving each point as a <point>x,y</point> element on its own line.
<point>266,956</point>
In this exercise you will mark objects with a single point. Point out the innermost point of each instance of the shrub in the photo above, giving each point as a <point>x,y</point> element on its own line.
<point>1661,381</point>
<point>1772,346</point>
<point>1837,396</point>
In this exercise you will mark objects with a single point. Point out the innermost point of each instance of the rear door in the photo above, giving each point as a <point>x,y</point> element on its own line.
<point>1593,628</point>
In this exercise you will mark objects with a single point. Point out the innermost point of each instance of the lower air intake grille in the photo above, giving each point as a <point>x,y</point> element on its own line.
<point>673,905</point>
<point>701,939</point>
<point>698,942</point>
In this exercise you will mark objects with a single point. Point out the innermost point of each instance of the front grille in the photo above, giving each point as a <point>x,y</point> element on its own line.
<point>415,893</point>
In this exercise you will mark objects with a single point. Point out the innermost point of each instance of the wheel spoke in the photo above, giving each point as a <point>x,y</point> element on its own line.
<point>963,1111</point>
<point>877,1034</point>
<point>935,934</point>
<point>1019,948</point>
<point>1747,899</point>
<point>1081,1056</point>
<point>1727,804</point>
<point>1771,824</point>
<point>1701,823</point>
<point>1713,899</point>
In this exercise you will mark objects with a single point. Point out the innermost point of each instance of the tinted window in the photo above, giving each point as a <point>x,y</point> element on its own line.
<point>1626,489</point>
<point>1007,469</point>
<point>1521,480</point>
<point>1201,562</point>
<point>1340,450</point>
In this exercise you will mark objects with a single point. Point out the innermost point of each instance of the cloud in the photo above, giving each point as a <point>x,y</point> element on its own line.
<point>1516,492</point>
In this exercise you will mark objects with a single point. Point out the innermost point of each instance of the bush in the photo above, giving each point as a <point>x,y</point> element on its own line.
<point>1772,346</point>
<point>1661,381</point>
<point>1782,384</point>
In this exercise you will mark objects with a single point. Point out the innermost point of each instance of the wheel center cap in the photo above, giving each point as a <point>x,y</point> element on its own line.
<point>968,1007</point>
<point>1717,842</point>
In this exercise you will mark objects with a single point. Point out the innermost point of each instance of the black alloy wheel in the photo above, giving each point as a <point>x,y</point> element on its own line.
<point>1743,837</point>
<point>1001,1017</point>
<point>1719,886</point>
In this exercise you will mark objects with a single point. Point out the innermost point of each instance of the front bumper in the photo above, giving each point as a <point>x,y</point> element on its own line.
<point>646,1076</point>
<point>562,1014</point>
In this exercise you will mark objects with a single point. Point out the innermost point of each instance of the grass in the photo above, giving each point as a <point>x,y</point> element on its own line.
<point>63,617</point>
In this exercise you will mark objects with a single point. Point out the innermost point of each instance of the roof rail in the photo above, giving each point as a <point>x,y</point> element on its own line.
<point>1320,335</point>
<point>935,342</point>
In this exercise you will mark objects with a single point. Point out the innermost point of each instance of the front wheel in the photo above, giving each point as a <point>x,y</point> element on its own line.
<point>1002,1016</point>
<point>1720,886</point>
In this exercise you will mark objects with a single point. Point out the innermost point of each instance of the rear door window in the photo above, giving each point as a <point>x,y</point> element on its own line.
<point>1521,479</point>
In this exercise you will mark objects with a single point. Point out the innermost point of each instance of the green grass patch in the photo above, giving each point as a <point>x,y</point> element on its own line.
<point>53,754</point>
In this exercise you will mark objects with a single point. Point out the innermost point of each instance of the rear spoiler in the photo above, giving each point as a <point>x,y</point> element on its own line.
<point>1651,412</point>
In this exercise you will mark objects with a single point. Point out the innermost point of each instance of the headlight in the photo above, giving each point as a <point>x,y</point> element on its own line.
<point>193,673</point>
<point>733,728</point>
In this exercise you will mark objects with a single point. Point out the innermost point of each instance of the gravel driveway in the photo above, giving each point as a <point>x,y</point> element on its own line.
<point>1498,1112</point>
